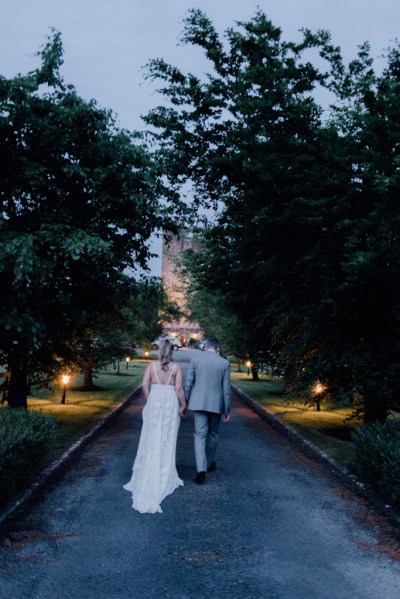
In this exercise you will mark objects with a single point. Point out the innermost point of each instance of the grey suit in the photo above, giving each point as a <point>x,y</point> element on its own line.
<point>208,392</point>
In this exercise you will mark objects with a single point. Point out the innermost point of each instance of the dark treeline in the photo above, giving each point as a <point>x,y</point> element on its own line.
<point>300,266</point>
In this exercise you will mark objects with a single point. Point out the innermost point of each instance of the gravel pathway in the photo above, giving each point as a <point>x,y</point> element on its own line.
<point>268,523</point>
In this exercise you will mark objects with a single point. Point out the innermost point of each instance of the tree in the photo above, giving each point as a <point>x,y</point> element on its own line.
<point>151,308</point>
<point>207,305</point>
<point>79,201</point>
<point>304,249</point>
<point>139,310</point>
<point>367,115</point>
<point>249,139</point>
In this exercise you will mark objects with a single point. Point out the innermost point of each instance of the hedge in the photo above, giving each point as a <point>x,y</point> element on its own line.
<point>25,438</point>
<point>378,456</point>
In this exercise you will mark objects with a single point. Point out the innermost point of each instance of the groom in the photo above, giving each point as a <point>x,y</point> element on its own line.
<point>208,392</point>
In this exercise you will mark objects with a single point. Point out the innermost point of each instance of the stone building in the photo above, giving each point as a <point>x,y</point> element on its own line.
<point>172,249</point>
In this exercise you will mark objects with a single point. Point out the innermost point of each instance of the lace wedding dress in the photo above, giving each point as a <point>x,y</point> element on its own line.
<point>154,474</point>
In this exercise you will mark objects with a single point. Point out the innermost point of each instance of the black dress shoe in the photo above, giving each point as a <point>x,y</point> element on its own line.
<point>212,467</point>
<point>200,478</point>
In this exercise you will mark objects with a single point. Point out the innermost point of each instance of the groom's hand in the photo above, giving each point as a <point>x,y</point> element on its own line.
<point>226,417</point>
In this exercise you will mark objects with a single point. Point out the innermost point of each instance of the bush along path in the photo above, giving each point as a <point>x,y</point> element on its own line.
<point>268,522</point>
<point>377,447</point>
<point>25,437</point>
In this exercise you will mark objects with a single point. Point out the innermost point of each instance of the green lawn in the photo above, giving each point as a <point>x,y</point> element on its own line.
<point>326,429</point>
<point>83,410</point>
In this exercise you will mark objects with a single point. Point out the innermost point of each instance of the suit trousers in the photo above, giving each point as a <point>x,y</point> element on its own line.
<point>206,425</point>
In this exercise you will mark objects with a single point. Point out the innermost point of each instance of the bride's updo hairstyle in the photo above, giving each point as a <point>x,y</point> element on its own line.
<point>166,350</point>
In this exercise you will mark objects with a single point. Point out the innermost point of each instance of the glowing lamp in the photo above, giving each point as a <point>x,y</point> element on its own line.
<point>318,388</point>
<point>65,380</point>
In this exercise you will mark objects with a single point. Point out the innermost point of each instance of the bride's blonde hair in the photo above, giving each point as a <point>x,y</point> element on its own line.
<point>166,350</point>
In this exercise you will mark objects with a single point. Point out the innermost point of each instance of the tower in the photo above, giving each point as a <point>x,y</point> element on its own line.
<point>172,249</point>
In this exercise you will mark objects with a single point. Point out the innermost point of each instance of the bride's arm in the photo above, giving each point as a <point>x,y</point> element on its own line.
<point>179,390</point>
<point>146,381</point>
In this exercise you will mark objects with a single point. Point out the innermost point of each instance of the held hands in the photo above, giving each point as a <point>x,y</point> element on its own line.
<point>226,417</point>
<point>182,410</point>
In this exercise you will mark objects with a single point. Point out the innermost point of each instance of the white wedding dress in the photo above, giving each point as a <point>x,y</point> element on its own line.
<point>154,474</point>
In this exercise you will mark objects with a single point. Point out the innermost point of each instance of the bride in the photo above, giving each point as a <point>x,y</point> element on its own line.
<point>154,474</point>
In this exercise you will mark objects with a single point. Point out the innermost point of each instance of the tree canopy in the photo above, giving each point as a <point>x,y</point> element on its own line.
<point>304,249</point>
<point>80,198</point>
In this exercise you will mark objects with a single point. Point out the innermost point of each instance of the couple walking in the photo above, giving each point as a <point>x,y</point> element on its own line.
<point>207,391</point>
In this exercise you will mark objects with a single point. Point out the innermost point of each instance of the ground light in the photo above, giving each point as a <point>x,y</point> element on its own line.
<point>318,390</point>
<point>127,359</point>
<point>248,364</point>
<point>65,380</point>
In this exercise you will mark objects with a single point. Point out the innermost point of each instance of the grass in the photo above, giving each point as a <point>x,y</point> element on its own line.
<point>83,409</point>
<point>327,429</point>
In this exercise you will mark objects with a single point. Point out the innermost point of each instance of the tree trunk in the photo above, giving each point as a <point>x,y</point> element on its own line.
<point>17,396</point>
<point>288,377</point>
<point>376,406</point>
<point>254,372</point>
<point>88,375</point>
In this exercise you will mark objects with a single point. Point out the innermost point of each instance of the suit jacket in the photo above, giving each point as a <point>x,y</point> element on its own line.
<point>208,385</point>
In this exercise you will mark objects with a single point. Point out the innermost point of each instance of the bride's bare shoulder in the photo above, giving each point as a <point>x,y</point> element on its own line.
<point>178,369</point>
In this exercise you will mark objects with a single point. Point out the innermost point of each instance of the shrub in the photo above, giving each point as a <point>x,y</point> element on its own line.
<point>25,438</point>
<point>378,456</point>
<point>389,483</point>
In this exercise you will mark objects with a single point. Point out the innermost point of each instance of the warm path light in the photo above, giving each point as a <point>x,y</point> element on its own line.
<point>318,388</point>
<point>248,364</point>
<point>127,361</point>
<point>65,380</point>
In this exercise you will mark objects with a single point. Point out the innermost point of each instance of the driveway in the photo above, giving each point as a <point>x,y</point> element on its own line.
<point>269,523</point>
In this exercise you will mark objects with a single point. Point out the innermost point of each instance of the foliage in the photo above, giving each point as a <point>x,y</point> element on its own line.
<point>304,250</point>
<point>389,483</point>
<point>377,448</point>
<point>79,201</point>
<point>25,438</point>
<point>140,307</point>
<point>250,143</point>
<point>210,311</point>
<point>148,311</point>
<point>139,311</point>
<point>209,308</point>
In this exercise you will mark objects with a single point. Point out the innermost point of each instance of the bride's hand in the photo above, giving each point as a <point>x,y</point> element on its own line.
<point>182,411</point>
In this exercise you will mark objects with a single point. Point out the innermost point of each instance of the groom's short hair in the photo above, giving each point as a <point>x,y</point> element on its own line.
<point>211,343</point>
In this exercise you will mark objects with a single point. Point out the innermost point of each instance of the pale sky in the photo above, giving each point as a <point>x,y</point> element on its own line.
<point>107,42</point>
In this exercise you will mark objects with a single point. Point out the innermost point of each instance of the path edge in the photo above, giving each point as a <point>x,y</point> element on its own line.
<point>347,477</point>
<point>59,465</point>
